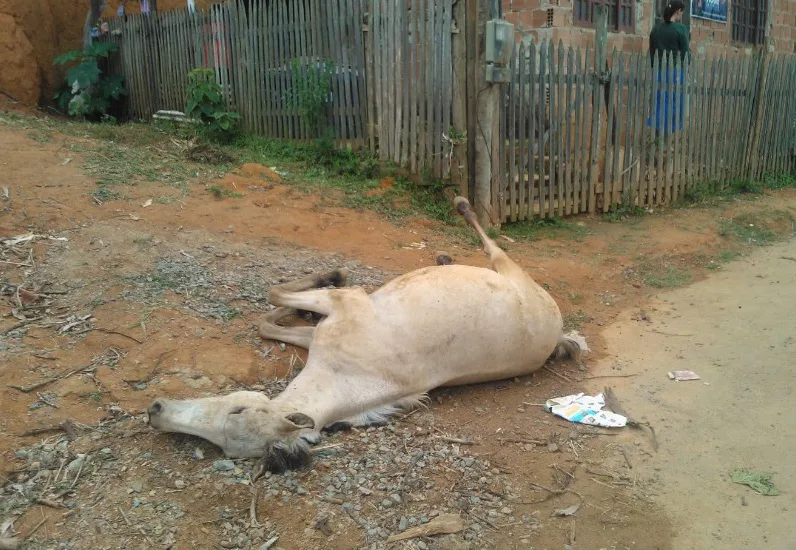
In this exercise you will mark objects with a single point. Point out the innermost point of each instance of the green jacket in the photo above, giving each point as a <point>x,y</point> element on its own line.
<point>669,37</point>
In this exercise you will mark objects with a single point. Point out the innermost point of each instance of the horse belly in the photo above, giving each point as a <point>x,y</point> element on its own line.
<point>465,327</point>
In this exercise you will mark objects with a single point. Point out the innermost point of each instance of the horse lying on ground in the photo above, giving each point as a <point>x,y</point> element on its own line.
<point>373,355</point>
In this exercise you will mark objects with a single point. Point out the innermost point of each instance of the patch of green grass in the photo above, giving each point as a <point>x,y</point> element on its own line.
<point>143,242</point>
<point>575,321</point>
<point>758,228</point>
<point>219,192</point>
<point>227,314</point>
<point>722,258</point>
<point>40,136</point>
<point>165,199</point>
<point>665,277</point>
<point>115,164</point>
<point>622,212</point>
<point>104,194</point>
<point>714,192</point>
<point>779,181</point>
<point>547,228</point>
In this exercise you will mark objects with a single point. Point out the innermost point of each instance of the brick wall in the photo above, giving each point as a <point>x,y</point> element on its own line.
<point>553,19</point>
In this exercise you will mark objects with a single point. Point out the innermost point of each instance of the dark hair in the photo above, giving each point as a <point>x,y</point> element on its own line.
<point>671,8</point>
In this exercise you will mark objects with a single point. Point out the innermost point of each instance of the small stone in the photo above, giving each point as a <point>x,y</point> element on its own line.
<point>106,451</point>
<point>387,503</point>
<point>506,510</point>
<point>179,484</point>
<point>422,545</point>
<point>137,486</point>
<point>552,448</point>
<point>198,454</point>
<point>403,524</point>
<point>76,464</point>
<point>396,498</point>
<point>223,465</point>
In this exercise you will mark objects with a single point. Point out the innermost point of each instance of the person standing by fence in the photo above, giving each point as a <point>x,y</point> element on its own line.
<point>670,47</point>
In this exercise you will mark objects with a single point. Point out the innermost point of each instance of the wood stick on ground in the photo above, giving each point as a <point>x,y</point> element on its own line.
<point>526,441</point>
<point>627,458</point>
<point>609,376</point>
<point>484,520</point>
<point>563,377</point>
<point>33,531</point>
<point>455,440</point>
<point>49,503</point>
<point>45,401</point>
<point>108,331</point>
<point>62,376</point>
<point>126,519</point>
<point>555,492</point>
<point>253,509</point>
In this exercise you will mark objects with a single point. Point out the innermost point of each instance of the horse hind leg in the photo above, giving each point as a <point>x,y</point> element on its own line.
<point>497,257</point>
<point>308,293</point>
<point>270,330</point>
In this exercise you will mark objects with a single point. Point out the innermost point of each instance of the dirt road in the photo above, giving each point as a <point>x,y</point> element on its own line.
<point>736,329</point>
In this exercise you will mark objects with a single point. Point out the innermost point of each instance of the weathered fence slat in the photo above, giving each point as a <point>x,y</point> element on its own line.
<point>515,116</point>
<point>527,207</point>
<point>567,120</point>
<point>558,111</point>
<point>610,144</point>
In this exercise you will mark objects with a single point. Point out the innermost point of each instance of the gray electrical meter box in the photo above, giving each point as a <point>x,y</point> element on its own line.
<point>499,41</point>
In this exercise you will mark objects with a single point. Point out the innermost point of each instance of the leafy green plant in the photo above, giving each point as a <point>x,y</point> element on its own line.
<point>88,92</point>
<point>311,92</point>
<point>206,103</point>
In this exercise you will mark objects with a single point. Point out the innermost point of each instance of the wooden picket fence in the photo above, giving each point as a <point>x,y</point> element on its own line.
<point>388,63</point>
<point>584,133</point>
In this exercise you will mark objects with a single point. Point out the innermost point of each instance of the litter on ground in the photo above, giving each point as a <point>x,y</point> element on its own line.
<point>585,409</point>
<point>682,375</point>
<point>759,481</point>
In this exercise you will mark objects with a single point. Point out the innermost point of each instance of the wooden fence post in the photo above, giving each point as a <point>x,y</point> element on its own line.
<point>753,153</point>
<point>600,52</point>
<point>459,166</point>
<point>487,128</point>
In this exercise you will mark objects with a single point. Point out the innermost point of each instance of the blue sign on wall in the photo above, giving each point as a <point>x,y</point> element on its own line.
<point>713,10</point>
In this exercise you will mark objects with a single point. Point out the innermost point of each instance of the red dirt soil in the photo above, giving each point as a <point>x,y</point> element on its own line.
<point>594,273</point>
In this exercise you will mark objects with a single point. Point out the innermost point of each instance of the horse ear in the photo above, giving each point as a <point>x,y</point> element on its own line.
<point>300,420</point>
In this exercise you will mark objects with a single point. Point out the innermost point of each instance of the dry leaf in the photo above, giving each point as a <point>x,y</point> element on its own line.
<point>441,525</point>
<point>27,297</point>
<point>147,203</point>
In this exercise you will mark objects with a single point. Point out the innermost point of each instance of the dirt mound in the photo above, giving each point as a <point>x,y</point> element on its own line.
<point>33,32</point>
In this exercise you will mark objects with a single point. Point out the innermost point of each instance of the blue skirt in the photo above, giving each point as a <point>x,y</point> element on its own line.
<point>667,114</point>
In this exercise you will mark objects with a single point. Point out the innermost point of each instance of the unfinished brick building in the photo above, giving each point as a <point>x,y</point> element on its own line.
<point>749,23</point>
